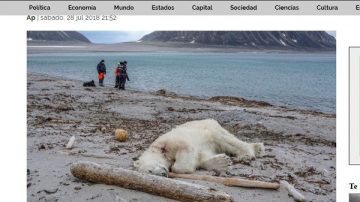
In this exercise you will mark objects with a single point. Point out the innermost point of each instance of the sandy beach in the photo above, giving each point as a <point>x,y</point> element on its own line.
<point>300,145</point>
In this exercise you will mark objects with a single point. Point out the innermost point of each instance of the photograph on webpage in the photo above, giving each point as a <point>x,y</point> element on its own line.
<point>255,105</point>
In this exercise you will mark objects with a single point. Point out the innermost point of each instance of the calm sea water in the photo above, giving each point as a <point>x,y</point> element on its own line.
<point>305,81</point>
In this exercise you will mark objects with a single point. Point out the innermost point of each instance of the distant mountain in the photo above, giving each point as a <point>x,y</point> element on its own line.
<point>56,36</point>
<point>319,40</point>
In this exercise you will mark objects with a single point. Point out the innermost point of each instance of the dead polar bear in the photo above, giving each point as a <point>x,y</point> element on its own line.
<point>196,144</point>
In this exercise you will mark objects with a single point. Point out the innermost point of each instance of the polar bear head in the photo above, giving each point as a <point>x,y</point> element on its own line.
<point>152,162</point>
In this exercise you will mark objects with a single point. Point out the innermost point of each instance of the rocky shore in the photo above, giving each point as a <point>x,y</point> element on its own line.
<point>300,145</point>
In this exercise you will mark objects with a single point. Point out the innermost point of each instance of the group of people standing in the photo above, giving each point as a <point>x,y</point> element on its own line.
<point>120,74</point>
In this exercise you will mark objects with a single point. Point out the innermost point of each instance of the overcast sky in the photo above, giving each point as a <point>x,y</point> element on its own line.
<point>108,37</point>
<point>113,36</point>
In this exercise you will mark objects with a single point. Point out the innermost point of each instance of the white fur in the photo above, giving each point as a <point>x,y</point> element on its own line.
<point>195,144</point>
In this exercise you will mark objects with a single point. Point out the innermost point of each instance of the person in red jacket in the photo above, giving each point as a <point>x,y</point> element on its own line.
<point>117,75</point>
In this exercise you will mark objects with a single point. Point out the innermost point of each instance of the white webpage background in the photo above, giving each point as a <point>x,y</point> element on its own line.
<point>354,105</point>
<point>13,79</point>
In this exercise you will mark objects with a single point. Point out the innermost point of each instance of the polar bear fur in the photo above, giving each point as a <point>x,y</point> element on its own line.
<point>196,144</point>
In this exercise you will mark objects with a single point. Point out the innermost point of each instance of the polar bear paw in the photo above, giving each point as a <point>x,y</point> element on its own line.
<point>245,159</point>
<point>259,149</point>
<point>219,163</point>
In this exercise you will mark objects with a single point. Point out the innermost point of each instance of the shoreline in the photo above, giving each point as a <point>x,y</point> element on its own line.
<point>234,100</point>
<point>300,147</point>
<point>46,47</point>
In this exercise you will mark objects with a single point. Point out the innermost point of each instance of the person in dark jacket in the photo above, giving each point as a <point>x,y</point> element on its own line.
<point>123,75</point>
<point>101,69</point>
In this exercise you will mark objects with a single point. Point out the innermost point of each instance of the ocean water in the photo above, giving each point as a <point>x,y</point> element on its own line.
<point>301,81</point>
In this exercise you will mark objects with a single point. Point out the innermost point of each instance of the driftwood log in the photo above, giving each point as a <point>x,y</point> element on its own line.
<point>170,188</point>
<point>293,192</point>
<point>228,181</point>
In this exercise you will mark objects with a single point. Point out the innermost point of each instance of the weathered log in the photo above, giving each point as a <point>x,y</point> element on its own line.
<point>228,181</point>
<point>293,192</point>
<point>170,188</point>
